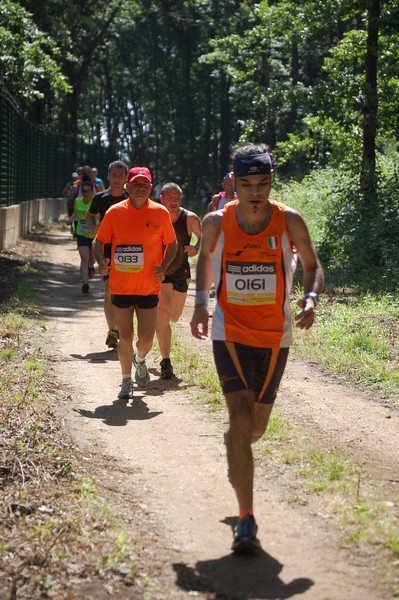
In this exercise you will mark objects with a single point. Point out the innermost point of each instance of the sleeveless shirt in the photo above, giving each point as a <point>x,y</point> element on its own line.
<point>253,278</point>
<point>80,208</point>
<point>180,267</point>
<point>222,201</point>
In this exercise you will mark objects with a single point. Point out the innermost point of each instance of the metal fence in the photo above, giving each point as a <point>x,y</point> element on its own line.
<point>37,163</point>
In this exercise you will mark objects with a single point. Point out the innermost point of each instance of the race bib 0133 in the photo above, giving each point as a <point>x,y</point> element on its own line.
<point>129,257</point>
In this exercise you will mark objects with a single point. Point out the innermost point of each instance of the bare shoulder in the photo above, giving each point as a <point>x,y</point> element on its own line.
<point>294,220</point>
<point>192,215</point>
<point>211,225</point>
<point>212,219</point>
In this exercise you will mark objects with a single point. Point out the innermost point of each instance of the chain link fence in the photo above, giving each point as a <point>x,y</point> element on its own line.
<point>37,163</point>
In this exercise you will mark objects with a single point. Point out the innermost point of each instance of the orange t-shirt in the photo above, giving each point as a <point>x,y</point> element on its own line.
<point>136,236</point>
<point>253,278</point>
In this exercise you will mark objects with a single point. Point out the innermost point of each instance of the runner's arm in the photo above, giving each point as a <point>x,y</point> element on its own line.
<point>168,256</point>
<point>103,263</point>
<point>193,227</point>
<point>213,203</point>
<point>91,221</point>
<point>210,230</point>
<point>73,192</point>
<point>313,276</point>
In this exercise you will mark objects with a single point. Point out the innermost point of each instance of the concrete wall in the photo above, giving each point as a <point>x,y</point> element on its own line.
<point>18,219</point>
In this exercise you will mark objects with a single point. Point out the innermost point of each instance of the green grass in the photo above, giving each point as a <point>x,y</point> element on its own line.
<point>356,338</point>
<point>193,368</point>
<point>326,471</point>
<point>356,334</point>
<point>39,468</point>
<point>328,482</point>
<point>278,428</point>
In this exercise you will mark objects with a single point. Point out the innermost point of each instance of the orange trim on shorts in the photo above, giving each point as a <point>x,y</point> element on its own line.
<point>232,351</point>
<point>270,371</point>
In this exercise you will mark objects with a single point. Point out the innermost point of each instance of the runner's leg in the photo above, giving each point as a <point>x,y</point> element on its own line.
<point>164,331</point>
<point>261,419</point>
<point>108,307</point>
<point>84,252</point>
<point>178,302</point>
<point>124,321</point>
<point>240,405</point>
<point>146,325</point>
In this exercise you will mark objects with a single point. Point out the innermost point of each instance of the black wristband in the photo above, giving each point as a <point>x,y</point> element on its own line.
<point>314,297</point>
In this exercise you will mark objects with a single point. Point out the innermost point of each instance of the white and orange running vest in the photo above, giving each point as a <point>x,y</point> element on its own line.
<point>253,277</point>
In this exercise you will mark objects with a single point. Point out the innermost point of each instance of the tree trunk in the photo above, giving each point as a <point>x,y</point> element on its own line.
<point>368,185</point>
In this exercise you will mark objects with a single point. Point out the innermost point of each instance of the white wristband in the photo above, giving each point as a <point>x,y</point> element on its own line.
<point>201,298</point>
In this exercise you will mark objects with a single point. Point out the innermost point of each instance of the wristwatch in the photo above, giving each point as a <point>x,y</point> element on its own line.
<point>314,297</point>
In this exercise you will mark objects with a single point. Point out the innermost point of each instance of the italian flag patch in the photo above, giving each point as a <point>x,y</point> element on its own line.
<point>273,242</point>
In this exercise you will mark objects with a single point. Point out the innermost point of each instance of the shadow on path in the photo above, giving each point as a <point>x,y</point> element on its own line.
<point>239,576</point>
<point>119,413</point>
<point>97,357</point>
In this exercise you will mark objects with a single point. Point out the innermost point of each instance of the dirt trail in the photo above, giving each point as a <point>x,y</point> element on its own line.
<point>166,460</point>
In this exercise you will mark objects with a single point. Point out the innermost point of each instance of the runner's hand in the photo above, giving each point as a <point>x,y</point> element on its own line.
<point>159,273</point>
<point>305,318</point>
<point>191,250</point>
<point>199,322</point>
<point>103,266</point>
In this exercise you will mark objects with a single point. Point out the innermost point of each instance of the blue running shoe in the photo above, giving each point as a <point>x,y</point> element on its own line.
<point>245,539</point>
<point>126,391</point>
<point>141,375</point>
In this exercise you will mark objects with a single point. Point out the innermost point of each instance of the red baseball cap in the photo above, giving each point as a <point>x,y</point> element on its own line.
<point>139,172</point>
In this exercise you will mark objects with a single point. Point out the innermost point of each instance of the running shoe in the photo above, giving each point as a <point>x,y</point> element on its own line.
<point>112,338</point>
<point>166,369</point>
<point>126,391</point>
<point>91,272</point>
<point>141,375</point>
<point>85,288</point>
<point>245,539</point>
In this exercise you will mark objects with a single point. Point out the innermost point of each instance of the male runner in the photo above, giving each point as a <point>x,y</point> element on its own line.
<point>248,247</point>
<point>227,195</point>
<point>175,285</point>
<point>136,227</point>
<point>102,201</point>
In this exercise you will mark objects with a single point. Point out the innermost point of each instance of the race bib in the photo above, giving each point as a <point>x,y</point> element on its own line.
<point>251,284</point>
<point>84,228</point>
<point>129,257</point>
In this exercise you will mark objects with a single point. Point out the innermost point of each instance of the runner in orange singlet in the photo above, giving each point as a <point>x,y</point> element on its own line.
<point>137,228</point>
<point>246,249</point>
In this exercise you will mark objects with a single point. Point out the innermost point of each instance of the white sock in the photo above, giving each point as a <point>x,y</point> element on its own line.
<point>138,359</point>
<point>126,375</point>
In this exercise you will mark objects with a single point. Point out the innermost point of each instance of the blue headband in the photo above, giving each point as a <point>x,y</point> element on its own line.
<point>257,164</point>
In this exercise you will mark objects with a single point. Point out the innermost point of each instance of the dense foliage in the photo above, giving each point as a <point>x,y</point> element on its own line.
<point>175,84</point>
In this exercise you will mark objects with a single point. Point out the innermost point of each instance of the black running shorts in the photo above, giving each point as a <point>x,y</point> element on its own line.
<point>126,301</point>
<point>243,367</point>
<point>82,240</point>
<point>179,285</point>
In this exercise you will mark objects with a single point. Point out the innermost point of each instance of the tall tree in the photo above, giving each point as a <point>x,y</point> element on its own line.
<point>370,110</point>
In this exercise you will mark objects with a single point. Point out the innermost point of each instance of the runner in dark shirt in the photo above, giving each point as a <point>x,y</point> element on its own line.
<point>102,201</point>
<point>174,287</point>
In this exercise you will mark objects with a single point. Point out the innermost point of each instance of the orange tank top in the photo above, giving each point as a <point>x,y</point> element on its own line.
<point>253,277</point>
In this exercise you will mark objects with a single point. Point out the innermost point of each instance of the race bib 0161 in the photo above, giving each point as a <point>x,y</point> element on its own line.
<point>252,283</point>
